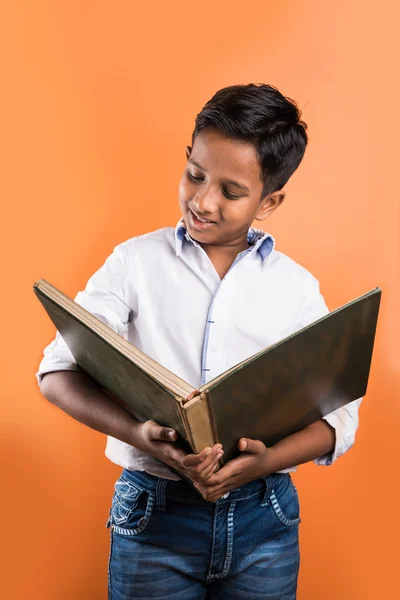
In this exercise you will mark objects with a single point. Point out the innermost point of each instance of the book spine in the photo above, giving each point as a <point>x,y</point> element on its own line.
<point>180,404</point>
<point>199,423</point>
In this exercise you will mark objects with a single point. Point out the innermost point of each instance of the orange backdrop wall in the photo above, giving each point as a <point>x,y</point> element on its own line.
<point>98,102</point>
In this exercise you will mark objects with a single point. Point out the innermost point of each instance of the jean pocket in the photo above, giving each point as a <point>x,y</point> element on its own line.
<point>285,504</point>
<point>131,508</point>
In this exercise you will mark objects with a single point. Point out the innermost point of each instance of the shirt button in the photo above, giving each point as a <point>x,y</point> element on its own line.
<point>216,348</point>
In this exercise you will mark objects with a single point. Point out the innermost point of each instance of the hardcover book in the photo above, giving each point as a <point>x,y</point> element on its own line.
<point>272,394</point>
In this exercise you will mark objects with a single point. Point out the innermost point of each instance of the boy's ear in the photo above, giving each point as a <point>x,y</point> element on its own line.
<point>269,204</point>
<point>188,152</point>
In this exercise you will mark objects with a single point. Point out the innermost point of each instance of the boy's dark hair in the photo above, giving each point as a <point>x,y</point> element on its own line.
<point>261,115</point>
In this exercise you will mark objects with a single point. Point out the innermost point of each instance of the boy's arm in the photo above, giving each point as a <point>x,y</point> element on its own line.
<point>309,444</point>
<point>80,397</point>
<point>109,295</point>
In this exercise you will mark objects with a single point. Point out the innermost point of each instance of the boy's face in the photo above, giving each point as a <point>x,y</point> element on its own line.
<point>220,190</point>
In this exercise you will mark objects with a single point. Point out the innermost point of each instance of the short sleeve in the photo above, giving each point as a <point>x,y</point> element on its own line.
<point>344,420</point>
<point>109,296</point>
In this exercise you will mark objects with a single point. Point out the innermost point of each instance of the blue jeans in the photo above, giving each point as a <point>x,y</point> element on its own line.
<point>168,543</point>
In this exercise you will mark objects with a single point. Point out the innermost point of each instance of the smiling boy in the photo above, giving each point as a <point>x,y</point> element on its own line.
<point>200,298</point>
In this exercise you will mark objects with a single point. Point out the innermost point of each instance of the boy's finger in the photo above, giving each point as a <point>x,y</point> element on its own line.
<point>173,452</point>
<point>158,432</point>
<point>209,466</point>
<point>213,493</point>
<point>209,471</point>
<point>206,456</point>
<point>206,469</point>
<point>192,460</point>
<point>229,471</point>
<point>250,446</point>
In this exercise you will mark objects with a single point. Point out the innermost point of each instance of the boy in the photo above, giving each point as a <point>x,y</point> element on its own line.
<point>198,299</point>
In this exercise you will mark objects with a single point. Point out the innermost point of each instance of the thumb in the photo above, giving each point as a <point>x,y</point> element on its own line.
<point>250,446</point>
<point>166,434</point>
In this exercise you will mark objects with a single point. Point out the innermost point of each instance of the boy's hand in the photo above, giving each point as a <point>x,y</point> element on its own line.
<point>252,464</point>
<point>157,440</point>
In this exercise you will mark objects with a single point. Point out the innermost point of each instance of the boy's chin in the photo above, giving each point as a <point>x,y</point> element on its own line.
<point>199,236</point>
<point>205,240</point>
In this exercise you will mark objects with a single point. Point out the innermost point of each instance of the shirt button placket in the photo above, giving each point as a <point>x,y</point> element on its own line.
<point>217,328</point>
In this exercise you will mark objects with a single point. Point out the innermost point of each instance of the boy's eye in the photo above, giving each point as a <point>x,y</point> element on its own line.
<point>193,178</point>
<point>226,193</point>
<point>229,195</point>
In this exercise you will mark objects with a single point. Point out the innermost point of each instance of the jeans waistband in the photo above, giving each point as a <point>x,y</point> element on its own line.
<point>181,491</point>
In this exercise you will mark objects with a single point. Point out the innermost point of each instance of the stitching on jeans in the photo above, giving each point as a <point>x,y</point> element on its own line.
<point>109,566</point>
<point>143,522</point>
<point>229,550</point>
<point>229,547</point>
<point>265,500</point>
<point>281,516</point>
<point>216,508</point>
<point>160,495</point>
<point>135,486</point>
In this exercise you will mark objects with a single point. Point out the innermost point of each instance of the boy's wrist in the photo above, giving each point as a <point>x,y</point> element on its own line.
<point>273,461</point>
<point>136,435</point>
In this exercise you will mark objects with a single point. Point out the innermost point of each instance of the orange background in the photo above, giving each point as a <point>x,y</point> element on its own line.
<point>98,102</point>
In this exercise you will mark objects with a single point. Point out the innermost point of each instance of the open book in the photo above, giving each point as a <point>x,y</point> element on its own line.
<point>274,393</point>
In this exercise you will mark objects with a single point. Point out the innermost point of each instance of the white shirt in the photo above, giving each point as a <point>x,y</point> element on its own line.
<point>162,293</point>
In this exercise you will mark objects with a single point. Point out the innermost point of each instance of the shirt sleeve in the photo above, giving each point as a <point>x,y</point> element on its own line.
<point>107,296</point>
<point>344,420</point>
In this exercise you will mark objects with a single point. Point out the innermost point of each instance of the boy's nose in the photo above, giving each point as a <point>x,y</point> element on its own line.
<point>204,205</point>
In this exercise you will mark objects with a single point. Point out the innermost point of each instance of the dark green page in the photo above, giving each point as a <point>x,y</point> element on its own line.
<point>296,382</point>
<point>131,387</point>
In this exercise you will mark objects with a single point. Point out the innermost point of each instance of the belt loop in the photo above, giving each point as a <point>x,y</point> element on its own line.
<point>160,494</point>
<point>265,501</point>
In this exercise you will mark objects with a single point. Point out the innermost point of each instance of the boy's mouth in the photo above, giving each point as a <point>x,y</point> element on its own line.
<point>198,222</point>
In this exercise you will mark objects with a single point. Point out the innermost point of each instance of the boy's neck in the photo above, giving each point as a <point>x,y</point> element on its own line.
<point>222,257</point>
<point>226,251</point>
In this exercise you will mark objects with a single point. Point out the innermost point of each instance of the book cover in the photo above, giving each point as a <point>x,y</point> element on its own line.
<point>270,395</point>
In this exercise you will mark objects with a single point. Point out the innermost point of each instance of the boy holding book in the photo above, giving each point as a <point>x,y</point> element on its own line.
<point>199,299</point>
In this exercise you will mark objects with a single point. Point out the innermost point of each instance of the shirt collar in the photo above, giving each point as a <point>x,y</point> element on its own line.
<point>259,240</point>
